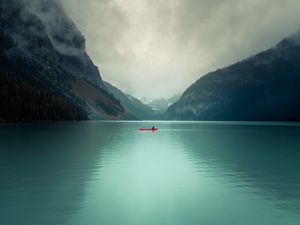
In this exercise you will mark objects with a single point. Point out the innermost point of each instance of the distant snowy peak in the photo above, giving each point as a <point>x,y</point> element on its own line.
<point>145,100</point>
<point>160,104</point>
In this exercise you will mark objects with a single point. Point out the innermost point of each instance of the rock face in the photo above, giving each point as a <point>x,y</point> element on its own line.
<point>264,87</point>
<point>134,108</point>
<point>45,72</point>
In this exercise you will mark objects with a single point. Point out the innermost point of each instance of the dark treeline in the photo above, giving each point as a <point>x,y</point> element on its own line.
<point>22,100</point>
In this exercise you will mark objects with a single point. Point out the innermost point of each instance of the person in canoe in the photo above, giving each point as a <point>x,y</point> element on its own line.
<point>145,129</point>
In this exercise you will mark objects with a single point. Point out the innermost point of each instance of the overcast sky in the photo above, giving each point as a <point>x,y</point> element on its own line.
<point>157,48</point>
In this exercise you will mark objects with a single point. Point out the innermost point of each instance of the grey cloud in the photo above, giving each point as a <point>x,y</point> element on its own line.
<point>104,24</point>
<point>157,48</point>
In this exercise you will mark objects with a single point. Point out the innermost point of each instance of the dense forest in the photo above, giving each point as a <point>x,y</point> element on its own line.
<point>22,100</point>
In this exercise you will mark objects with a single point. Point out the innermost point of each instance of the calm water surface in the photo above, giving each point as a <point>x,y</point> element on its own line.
<point>187,173</point>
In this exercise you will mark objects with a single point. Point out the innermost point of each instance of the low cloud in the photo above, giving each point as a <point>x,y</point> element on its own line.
<point>56,23</point>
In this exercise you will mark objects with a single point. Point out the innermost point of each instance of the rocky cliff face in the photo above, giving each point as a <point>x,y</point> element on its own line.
<point>262,87</point>
<point>43,49</point>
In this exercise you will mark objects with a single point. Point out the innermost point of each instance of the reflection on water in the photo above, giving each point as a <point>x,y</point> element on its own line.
<point>44,169</point>
<point>264,157</point>
<point>186,173</point>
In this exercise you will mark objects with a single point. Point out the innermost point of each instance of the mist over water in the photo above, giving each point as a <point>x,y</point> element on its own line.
<point>185,173</point>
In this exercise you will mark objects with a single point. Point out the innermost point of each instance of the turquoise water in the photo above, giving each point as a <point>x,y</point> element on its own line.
<point>109,173</point>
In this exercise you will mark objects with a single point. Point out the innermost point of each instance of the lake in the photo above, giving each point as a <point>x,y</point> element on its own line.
<point>186,173</point>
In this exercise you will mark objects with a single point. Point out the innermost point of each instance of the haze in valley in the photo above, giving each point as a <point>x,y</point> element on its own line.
<point>158,48</point>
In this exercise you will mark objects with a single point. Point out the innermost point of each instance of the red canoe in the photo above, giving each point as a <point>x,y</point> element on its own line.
<point>148,129</point>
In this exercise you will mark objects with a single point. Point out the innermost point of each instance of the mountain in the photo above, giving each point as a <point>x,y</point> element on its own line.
<point>134,108</point>
<point>45,72</point>
<point>160,106</point>
<point>264,87</point>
